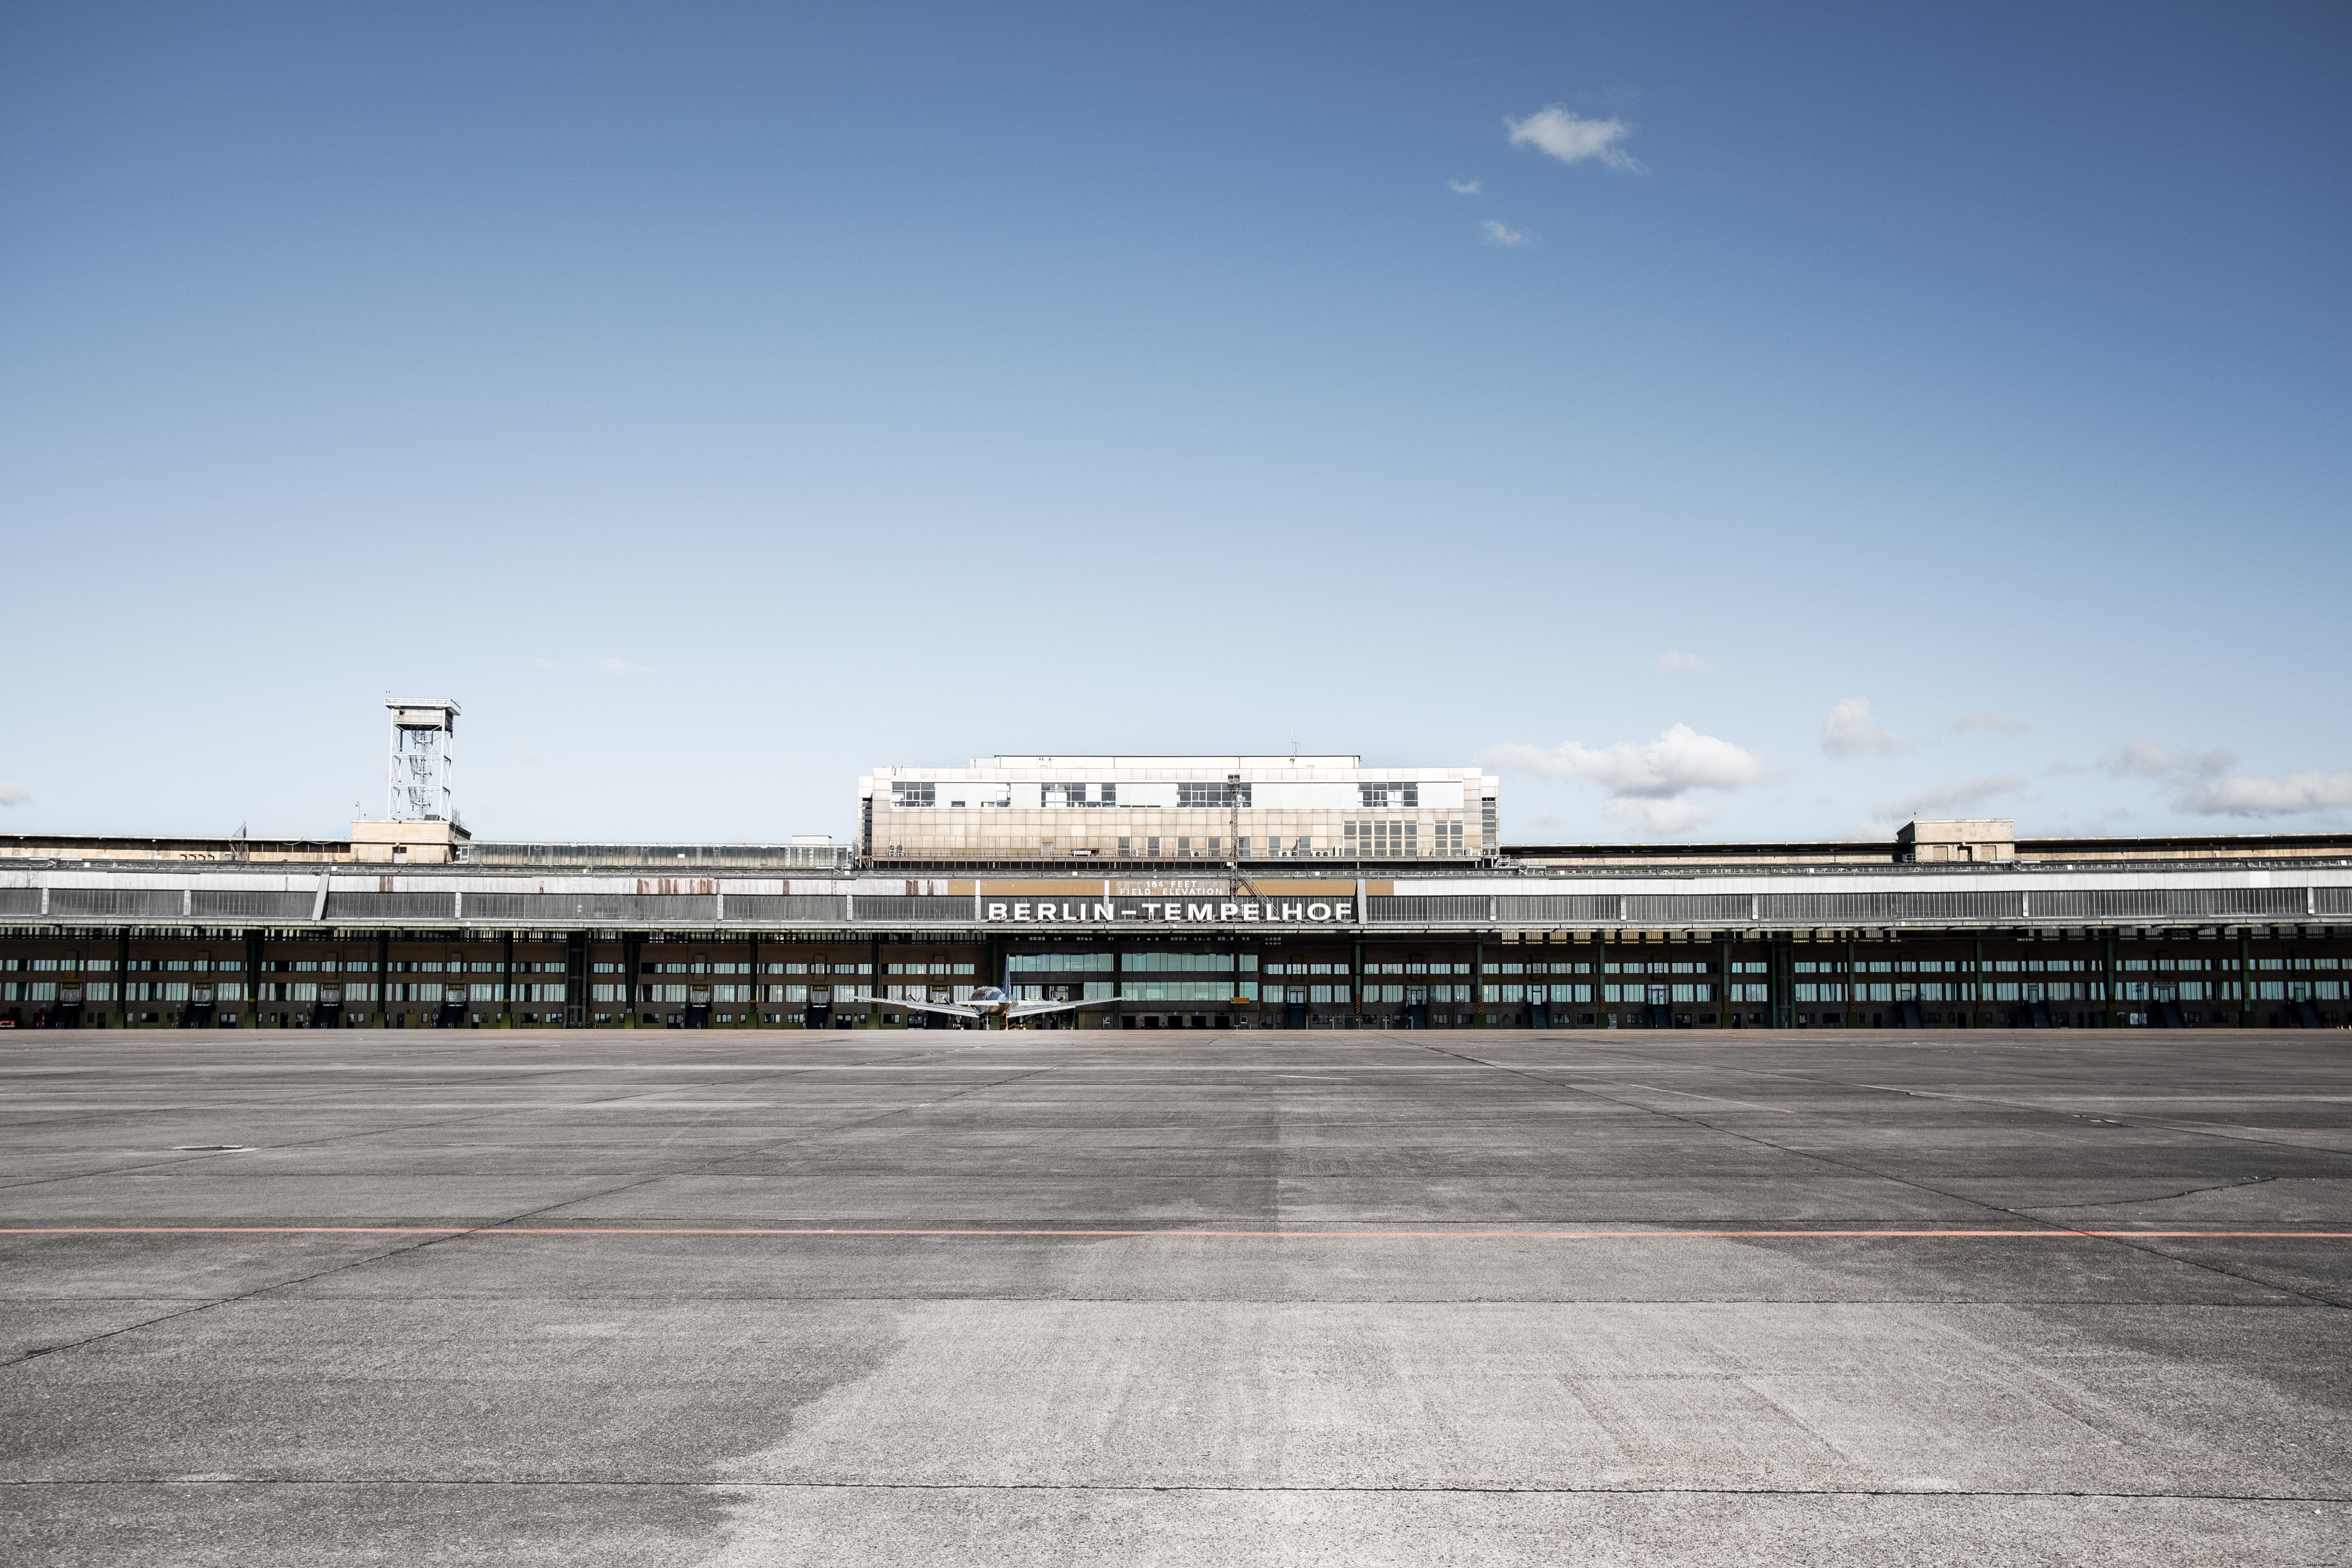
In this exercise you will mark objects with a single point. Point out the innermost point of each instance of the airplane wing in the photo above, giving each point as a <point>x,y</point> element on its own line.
<point>1031,1009</point>
<point>947,1007</point>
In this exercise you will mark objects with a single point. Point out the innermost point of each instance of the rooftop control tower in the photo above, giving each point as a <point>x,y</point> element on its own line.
<point>423,752</point>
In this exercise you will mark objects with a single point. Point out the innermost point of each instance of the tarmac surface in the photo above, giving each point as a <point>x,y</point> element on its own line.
<point>918,1298</point>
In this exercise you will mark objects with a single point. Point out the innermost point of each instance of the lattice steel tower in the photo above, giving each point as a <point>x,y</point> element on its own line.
<point>424,751</point>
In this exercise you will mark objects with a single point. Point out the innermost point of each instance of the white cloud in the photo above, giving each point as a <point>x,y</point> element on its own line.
<point>2250,795</point>
<point>1498,235</point>
<point>1564,136</point>
<point>1658,815</point>
<point>2203,790</point>
<point>1463,188</point>
<point>1851,731</point>
<point>2143,759</point>
<point>15,794</point>
<point>1671,663</point>
<point>1987,720</point>
<point>623,666</point>
<point>1948,797</point>
<point>1679,760</point>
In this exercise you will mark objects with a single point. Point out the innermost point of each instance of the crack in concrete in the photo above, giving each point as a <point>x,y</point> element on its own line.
<point>2164,1198</point>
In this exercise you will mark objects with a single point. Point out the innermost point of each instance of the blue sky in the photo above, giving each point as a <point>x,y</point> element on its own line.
<point>1733,422</point>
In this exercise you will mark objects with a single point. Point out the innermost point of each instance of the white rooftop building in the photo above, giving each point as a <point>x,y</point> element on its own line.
<point>1143,809</point>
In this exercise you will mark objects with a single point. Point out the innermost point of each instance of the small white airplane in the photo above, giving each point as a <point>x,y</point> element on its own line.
<point>987,1002</point>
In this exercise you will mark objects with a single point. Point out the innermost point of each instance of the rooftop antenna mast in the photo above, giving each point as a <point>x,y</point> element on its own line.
<point>1237,878</point>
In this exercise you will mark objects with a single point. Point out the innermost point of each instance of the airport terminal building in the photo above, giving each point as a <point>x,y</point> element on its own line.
<point>1168,892</point>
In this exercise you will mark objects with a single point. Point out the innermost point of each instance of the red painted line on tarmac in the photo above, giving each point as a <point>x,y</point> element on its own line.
<point>853,1233</point>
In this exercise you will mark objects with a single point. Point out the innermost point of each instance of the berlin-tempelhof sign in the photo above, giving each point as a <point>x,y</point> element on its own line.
<point>1170,912</point>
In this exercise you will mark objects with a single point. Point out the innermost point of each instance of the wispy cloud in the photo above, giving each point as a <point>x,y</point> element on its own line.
<point>1464,188</point>
<point>1851,731</point>
<point>1646,780</point>
<point>2143,759</point>
<point>1498,235</point>
<point>622,667</point>
<point>15,794</point>
<point>1658,815</point>
<point>1562,135</point>
<point>545,666</point>
<point>2252,795</point>
<point>2204,786</point>
<point>1672,663</point>
<point>1966,795</point>
<point>1988,722</point>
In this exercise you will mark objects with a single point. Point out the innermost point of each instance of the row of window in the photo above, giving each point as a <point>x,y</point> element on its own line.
<point>1061,963</point>
<point>2071,991</point>
<point>814,966</point>
<point>329,966</point>
<point>434,992</point>
<point>1082,961</point>
<point>1133,963</point>
<point>299,990</point>
<point>2166,965</point>
<point>1646,996</point>
<point>1191,795</point>
<point>295,991</point>
<point>1079,963</point>
<point>1103,964</point>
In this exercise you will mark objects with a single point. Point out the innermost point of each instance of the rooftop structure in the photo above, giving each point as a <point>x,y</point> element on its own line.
<point>419,786</point>
<point>1011,809</point>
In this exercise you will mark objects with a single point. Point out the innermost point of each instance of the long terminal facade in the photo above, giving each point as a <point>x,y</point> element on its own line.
<point>1950,926</point>
<point>1163,893</point>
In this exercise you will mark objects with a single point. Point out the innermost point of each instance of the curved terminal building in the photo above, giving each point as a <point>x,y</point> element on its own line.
<point>1168,892</point>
